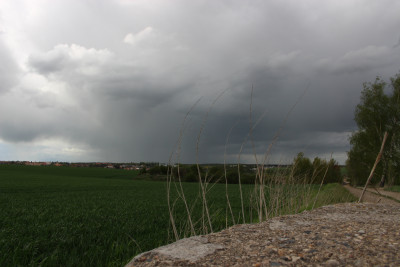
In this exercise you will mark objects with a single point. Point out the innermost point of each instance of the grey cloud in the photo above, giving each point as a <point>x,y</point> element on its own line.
<point>362,60</point>
<point>14,133</point>
<point>47,63</point>
<point>397,44</point>
<point>72,57</point>
<point>8,68</point>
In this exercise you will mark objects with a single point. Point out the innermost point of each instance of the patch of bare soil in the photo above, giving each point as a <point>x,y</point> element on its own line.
<point>350,234</point>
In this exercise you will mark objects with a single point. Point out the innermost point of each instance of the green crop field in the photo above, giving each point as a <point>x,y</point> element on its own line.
<point>65,216</point>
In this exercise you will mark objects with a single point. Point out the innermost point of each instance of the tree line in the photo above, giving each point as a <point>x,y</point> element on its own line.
<point>302,170</point>
<point>316,172</point>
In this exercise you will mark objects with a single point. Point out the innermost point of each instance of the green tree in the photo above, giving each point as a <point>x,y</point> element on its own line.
<point>333,174</point>
<point>216,174</point>
<point>190,173</point>
<point>318,170</point>
<point>303,168</point>
<point>378,112</point>
<point>158,170</point>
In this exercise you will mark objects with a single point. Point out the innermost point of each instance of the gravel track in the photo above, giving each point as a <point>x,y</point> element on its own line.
<point>371,195</point>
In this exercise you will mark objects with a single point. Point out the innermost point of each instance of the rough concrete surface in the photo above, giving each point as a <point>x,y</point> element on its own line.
<point>350,234</point>
<point>190,249</point>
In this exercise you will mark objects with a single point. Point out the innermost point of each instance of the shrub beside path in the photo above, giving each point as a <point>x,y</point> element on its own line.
<point>349,234</point>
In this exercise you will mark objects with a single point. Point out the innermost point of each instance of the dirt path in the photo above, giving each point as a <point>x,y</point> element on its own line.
<point>395,195</point>
<point>370,196</point>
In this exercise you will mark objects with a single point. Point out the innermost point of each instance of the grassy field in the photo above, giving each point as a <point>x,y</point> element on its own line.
<point>60,216</point>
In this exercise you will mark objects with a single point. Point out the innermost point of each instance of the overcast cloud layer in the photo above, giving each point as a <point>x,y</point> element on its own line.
<point>113,80</point>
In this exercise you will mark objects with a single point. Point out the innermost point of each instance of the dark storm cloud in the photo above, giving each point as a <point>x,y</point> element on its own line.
<point>47,65</point>
<point>397,44</point>
<point>116,79</point>
<point>363,60</point>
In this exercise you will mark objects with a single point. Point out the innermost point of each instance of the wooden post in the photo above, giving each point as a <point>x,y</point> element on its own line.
<point>378,158</point>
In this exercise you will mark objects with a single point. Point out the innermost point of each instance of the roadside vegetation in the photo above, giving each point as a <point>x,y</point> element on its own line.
<point>284,190</point>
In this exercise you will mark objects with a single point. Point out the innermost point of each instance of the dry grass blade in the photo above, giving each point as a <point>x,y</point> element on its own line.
<point>322,182</point>
<point>378,158</point>
<point>170,177</point>
<point>225,174</point>
<point>203,190</point>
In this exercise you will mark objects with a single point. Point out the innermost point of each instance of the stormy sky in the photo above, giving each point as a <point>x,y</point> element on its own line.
<point>124,81</point>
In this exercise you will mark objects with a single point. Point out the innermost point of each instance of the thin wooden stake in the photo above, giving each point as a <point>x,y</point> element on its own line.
<point>378,158</point>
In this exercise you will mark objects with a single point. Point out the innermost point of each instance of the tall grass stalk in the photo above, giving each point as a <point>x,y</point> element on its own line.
<point>203,184</point>
<point>170,178</point>
<point>226,177</point>
<point>322,182</point>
